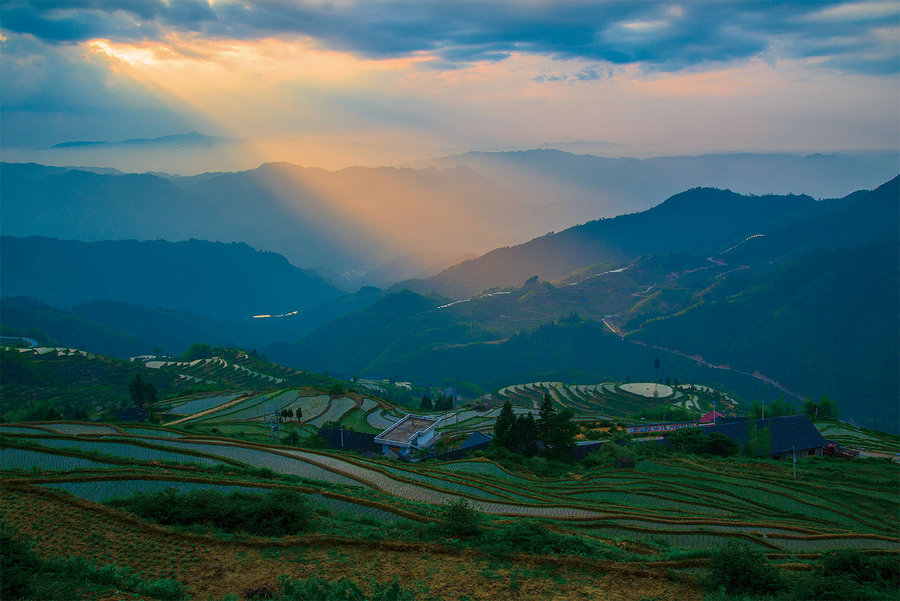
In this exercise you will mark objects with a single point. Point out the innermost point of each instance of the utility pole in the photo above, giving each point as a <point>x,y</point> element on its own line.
<point>794,453</point>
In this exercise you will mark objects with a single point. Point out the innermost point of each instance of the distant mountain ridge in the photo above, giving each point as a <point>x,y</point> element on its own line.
<point>693,221</point>
<point>190,139</point>
<point>584,187</point>
<point>347,223</point>
<point>224,281</point>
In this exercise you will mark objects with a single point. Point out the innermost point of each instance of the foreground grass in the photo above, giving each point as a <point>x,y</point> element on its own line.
<point>211,567</point>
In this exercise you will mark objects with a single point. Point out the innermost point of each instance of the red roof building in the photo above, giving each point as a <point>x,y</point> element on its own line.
<point>710,417</point>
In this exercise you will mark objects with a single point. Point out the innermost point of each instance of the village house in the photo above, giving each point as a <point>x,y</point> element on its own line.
<point>785,437</point>
<point>410,434</point>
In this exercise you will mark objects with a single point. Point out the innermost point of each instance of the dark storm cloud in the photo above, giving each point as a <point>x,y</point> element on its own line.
<point>657,35</point>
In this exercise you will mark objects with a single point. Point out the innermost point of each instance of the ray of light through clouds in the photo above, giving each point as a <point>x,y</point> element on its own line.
<point>338,83</point>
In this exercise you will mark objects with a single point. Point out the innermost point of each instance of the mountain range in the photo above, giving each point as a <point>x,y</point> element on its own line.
<point>376,226</point>
<point>345,224</point>
<point>766,295</point>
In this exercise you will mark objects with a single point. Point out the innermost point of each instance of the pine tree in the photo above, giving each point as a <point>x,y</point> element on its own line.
<point>136,391</point>
<point>528,435</point>
<point>560,437</point>
<point>426,404</point>
<point>504,427</point>
<point>547,415</point>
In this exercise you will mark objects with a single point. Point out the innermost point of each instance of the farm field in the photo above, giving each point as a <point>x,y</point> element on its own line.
<point>653,524</point>
<point>659,511</point>
<point>603,400</point>
<point>870,441</point>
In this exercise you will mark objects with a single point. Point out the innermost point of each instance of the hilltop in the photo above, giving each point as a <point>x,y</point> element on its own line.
<point>76,383</point>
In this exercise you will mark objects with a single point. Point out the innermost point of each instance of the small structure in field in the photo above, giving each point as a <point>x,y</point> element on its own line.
<point>410,434</point>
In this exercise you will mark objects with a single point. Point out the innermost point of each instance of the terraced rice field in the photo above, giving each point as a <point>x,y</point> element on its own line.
<point>23,459</point>
<point>156,432</point>
<point>82,429</point>
<point>681,503</point>
<point>380,419</point>
<point>312,407</point>
<point>336,410</point>
<point>204,404</point>
<point>597,400</point>
<point>860,438</point>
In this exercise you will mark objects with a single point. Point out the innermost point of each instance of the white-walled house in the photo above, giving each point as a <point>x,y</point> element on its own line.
<point>410,434</point>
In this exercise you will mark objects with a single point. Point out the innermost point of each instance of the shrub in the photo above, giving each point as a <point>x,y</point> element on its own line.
<point>461,519</point>
<point>697,442</point>
<point>18,564</point>
<point>529,536</point>
<point>739,568</point>
<point>317,589</point>
<point>849,575</point>
<point>275,513</point>
<point>313,441</point>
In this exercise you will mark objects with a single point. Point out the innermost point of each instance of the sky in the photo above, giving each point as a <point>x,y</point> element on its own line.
<point>371,82</point>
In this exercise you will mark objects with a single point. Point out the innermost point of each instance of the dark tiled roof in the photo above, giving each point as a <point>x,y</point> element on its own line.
<point>476,438</point>
<point>786,431</point>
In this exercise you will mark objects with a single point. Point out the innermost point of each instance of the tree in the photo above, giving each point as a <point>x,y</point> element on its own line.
<point>443,403</point>
<point>810,408</point>
<point>720,445</point>
<point>560,437</point>
<point>528,434</point>
<point>827,408</point>
<point>687,440</point>
<point>289,413</point>
<point>547,413</point>
<point>504,426</point>
<point>142,394</point>
<point>198,350</point>
<point>824,409</point>
<point>461,519</point>
<point>136,391</point>
<point>336,389</point>
<point>740,570</point>
<point>426,404</point>
<point>149,394</point>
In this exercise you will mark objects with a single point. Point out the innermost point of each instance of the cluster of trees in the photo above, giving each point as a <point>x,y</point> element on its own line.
<point>824,409</point>
<point>198,350</point>
<point>521,434</point>
<point>288,414</point>
<point>440,403</point>
<point>666,412</point>
<point>143,394</point>
<point>696,441</point>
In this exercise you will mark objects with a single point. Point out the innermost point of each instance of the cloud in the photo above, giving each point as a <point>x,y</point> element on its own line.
<point>47,88</point>
<point>589,73</point>
<point>657,36</point>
